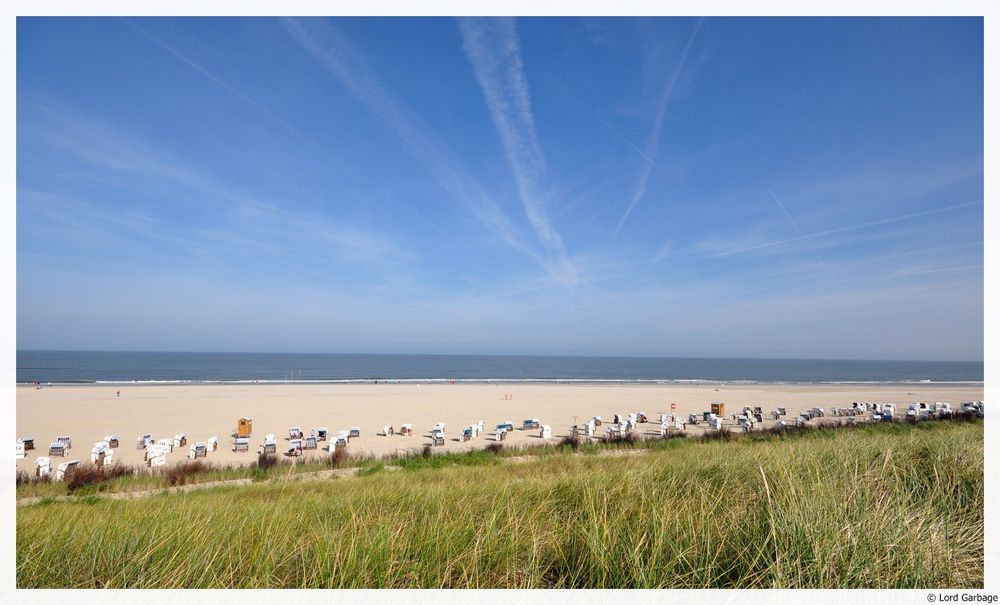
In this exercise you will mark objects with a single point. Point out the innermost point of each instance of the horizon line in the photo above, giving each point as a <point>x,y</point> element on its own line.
<point>549,355</point>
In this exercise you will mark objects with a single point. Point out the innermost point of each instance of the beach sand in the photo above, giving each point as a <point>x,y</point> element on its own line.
<point>88,413</point>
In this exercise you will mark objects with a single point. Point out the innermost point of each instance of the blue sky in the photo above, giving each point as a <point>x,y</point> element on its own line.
<point>678,187</point>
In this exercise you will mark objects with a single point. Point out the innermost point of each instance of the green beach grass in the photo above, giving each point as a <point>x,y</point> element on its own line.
<point>886,506</point>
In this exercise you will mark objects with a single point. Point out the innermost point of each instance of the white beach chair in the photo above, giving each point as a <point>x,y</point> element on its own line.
<point>180,439</point>
<point>322,433</point>
<point>19,450</point>
<point>112,440</point>
<point>57,448</point>
<point>212,444</point>
<point>406,430</point>
<point>482,426</point>
<point>166,443</point>
<point>97,452</point>
<point>438,426</point>
<point>198,450</point>
<point>43,466</point>
<point>29,443</point>
<point>66,441</point>
<point>109,455</point>
<point>437,438</point>
<point>242,444</point>
<point>157,461</point>
<point>467,433</point>
<point>309,443</point>
<point>295,447</point>
<point>64,470</point>
<point>597,420</point>
<point>143,441</point>
<point>294,433</point>
<point>545,432</point>
<point>387,431</point>
<point>355,431</point>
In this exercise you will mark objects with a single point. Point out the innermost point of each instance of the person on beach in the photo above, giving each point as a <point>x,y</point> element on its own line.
<point>118,393</point>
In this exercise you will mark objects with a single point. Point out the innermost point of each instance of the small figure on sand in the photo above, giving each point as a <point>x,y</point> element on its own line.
<point>118,393</point>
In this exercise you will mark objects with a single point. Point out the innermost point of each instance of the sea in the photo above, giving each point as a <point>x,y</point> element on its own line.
<point>129,367</point>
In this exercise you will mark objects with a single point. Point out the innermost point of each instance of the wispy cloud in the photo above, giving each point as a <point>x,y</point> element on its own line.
<point>494,49</point>
<point>140,190</point>
<point>338,56</point>
<point>653,141</point>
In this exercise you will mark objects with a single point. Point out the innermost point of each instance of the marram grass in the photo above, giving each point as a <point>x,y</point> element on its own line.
<point>893,507</point>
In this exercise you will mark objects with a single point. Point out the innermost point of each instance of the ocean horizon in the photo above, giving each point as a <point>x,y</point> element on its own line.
<point>147,367</point>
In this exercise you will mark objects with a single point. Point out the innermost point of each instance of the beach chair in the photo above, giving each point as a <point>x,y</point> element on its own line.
<point>212,444</point>
<point>43,466</point>
<point>597,420</point>
<point>57,448</point>
<point>643,418</point>
<point>309,443</point>
<point>406,430</point>
<point>64,470</point>
<point>342,438</point>
<point>294,447</point>
<point>270,445</point>
<point>19,451</point>
<point>481,426</point>
<point>387,431</point>
<point>437,438</point>
<point>693,419</point>
<point>157,461</point>
<point>29,443</point>
<point>143,441</point>
<point>633,419</point>
<point>438,426</point>
<point>801,421</point>
<point>322,433</point>
<point>545,432</point>
<point>198,450</point>
<point>589,429</point>
<point>166,443</point>
<point>66,440</point>
<point>97,452</point>
<point>467,433</point>
<point>242,444</point>
<point>355,432</point>
<point>530,423</point>
<point>294,433</point>
<point>112,440</point>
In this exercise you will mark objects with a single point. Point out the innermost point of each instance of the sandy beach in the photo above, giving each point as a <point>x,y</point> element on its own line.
<point>88,413</point>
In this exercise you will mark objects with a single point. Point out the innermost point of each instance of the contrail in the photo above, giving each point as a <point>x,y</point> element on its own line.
<point>653,145</point>
<point>219,81</point>
<point>825,265</point>
<point>338,56</point>
<point>496,60</point>
<point>884,221</point>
